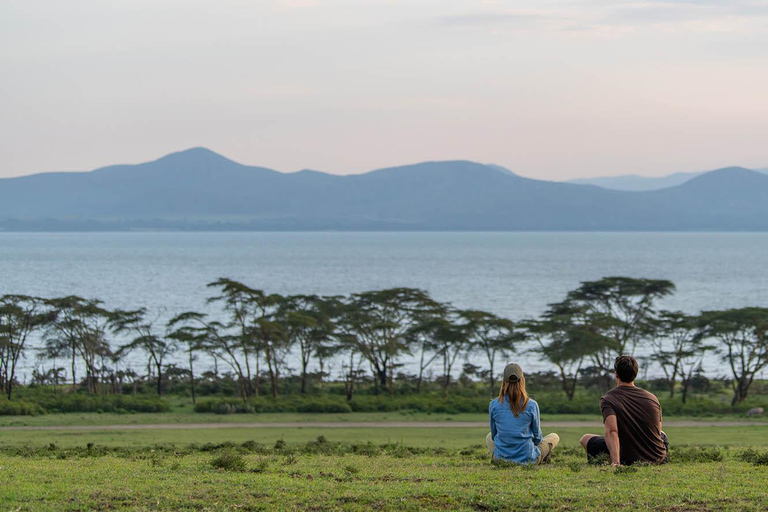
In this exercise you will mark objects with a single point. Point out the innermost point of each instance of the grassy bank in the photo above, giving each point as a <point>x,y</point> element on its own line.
<point>389,478</point>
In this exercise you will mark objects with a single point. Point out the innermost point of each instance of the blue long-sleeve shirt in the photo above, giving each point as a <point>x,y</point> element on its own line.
<point>516,439</point>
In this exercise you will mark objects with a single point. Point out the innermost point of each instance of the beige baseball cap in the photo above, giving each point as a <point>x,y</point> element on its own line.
<point>513,373</point>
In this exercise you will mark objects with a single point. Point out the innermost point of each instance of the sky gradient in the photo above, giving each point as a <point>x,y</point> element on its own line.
<point>550,89</point>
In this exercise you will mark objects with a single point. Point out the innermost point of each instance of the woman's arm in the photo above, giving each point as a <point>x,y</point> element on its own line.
<point>493,422</point>
<point>536,424</point>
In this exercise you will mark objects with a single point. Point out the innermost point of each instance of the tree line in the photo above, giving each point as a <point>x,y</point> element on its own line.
<point>372,333</point>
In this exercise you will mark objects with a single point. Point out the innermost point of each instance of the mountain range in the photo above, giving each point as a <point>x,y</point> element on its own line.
<point>198,189</point>
<point>637,183</point>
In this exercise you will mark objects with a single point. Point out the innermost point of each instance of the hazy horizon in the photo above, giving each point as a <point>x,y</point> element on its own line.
<point>552,90</point>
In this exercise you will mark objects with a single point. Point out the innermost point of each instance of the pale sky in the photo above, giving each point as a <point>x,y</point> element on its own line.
<point>550,89</point>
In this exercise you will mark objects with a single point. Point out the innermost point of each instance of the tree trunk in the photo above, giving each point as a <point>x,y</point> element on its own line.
<point>380,380</point>
<point>421,373</point>
<point>192,378</point>
<point>272,365</point>
<point>491,378</point>
<point>349,382</point>
<point>567,388</point>
<point>741,390</point>
<point>256,387</point>
<point>159,381</point>
<point>74,377</point>
<point>304,365</point>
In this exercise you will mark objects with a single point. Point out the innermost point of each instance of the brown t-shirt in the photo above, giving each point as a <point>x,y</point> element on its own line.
<point>638,415</point>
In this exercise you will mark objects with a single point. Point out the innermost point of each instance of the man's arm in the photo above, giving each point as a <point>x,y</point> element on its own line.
<point>612,439</point>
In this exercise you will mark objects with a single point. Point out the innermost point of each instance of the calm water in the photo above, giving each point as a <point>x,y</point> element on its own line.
<point>511,274</point>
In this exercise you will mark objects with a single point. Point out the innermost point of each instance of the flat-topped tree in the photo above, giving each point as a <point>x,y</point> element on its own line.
<point>743,338</point>
<point>20,317</point>
<point>251,330</point>
<point>567,336</point>
<point>141,329</point>
<point>306,321</point>
<point>421,338</point>
<point>80,327</point>
<point>492,335</point>
<point>237,340</point>
<point>377,324</point>
<point>442,333</point>
<point>678,347</point>
<point>190,331</point>
<point>624,306</point>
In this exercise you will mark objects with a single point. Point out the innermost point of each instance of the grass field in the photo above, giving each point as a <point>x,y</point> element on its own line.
<point>421,437</point>
<point>285,417</point>
<point>371,467</point>
<point>389,478</point>
<point>188,417</point>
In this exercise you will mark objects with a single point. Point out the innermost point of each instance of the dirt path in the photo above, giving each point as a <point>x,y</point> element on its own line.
<point>371,424</point>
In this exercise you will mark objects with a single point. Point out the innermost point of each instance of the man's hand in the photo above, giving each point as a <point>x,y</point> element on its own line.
<point>612,439</point>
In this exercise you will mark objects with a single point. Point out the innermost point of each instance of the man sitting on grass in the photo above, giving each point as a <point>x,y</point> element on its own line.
<point>632,418</point>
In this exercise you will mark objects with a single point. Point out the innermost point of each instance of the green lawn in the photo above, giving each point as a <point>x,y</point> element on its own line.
<point>391,481</point>
<point>422,437</point>
<point>447,468</point>
<point>287,417</point>
<point>186,417</point>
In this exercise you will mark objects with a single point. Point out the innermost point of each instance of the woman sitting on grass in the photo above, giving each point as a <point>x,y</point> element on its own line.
<point>516,425</point>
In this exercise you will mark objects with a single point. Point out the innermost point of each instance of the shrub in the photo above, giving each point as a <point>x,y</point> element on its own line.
<point>755,457</point>
<point>77,402</point>
<point>695,454</point>
<point>19,408</point>
<point>229,461</point>
<point>324,406</point>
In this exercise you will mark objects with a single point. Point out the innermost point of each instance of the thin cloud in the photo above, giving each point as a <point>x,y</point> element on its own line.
<point>618,17</point>
<point>494,18</point>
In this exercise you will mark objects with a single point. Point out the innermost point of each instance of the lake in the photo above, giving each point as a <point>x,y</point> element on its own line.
<point>511,274</point>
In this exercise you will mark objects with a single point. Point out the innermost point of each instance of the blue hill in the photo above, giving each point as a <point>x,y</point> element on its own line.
<point>199,189</point>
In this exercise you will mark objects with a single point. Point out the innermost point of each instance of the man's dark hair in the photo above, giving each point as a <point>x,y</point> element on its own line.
<point>626,368</point>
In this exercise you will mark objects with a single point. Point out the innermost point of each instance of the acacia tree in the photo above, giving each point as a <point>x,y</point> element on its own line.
<point>80,326</point>
<point>236,338</point>
<point>216,339</point>
<point>492,335</point>
<point>306,320</point>
<point>189,330</point>
<point>144,338</point>
<point>743,337</point>
<point>678,347</point>
<point>446,337</point>
<point>20,317</point>
<point>567,336</point>
<point>377,323</point>
<point>421,339</point>
<point>622,307</point>
<point>271,336</point>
